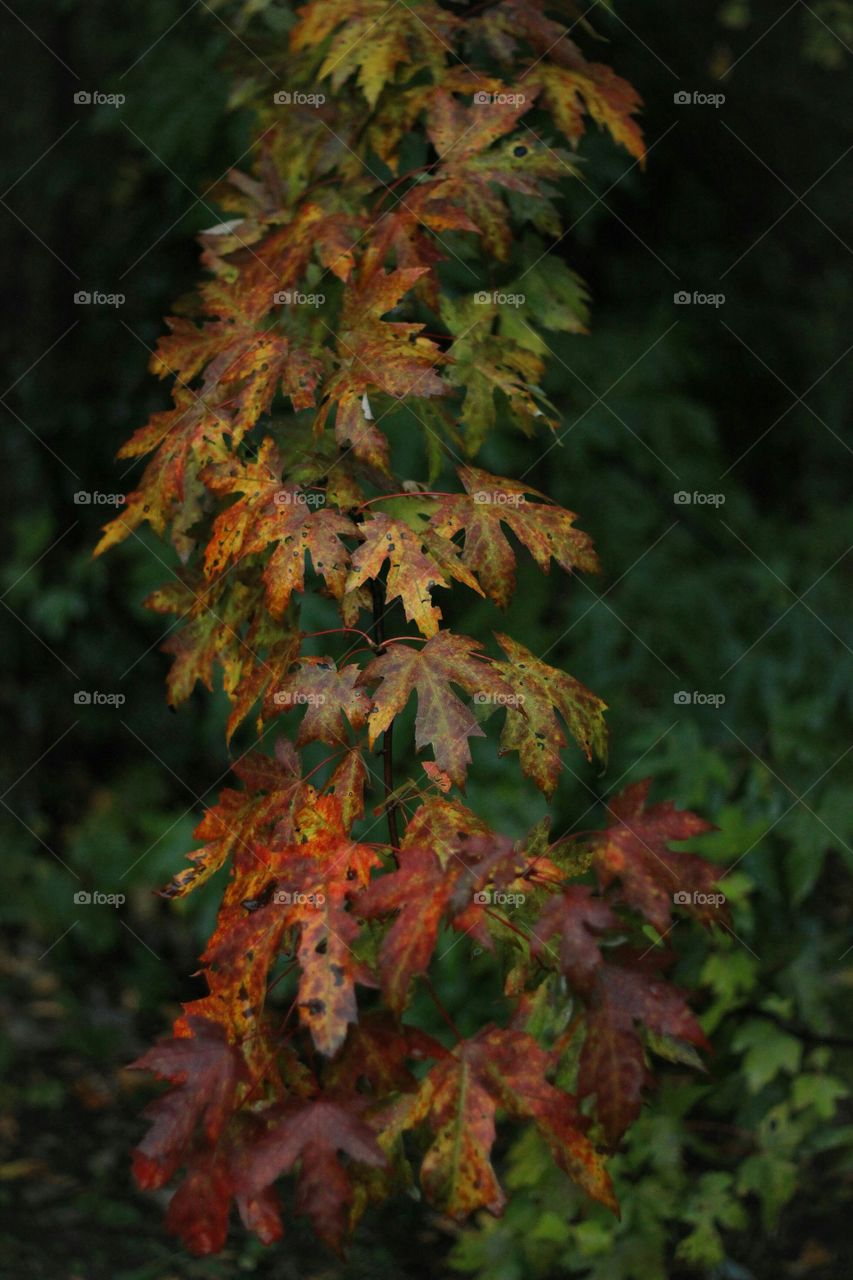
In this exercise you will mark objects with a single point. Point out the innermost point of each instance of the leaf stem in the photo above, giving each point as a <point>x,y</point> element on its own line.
<point>405,493</point>
<point>334,631</point>
<point>441,1009</point>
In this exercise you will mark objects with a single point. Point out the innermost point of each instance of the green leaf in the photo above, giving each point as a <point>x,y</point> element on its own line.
<point>767,1050</point>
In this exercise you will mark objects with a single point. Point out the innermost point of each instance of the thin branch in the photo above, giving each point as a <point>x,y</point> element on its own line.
<point>388,735</point>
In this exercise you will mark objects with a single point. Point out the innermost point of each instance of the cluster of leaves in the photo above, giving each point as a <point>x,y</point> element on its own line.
<point>675,1212</point>
<point>343,1090</point>
<point>705,1173</point>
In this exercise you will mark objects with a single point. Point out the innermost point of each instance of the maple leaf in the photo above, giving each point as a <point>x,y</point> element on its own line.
<point>243,366</point>
<point>403,233</point>
<point>442,721</point>
<point>347,784</point>
<point>238,957</point>
<point>555,299</point>
<point>445,826</point>
<point>297,877</point>
<point>517,1067</point>
<point>459,1098</point>
<point>207,1072</point>
<point>597,89</point>
<point>570,85</point>
<point>313,1132</point>
<point>272,512</point>
<point>634,850</point>
<point>528,168</point>
<point>282,258</point>
<point>374,39</point>
<point>292,873</point>
<point>211,638</point>
<point>421,891</point>
<point>241,818</point>
<point>186,349</point>
<point>193,430</point>
<point>327,694</point>
<point>373,354</point>
<point>321,829</point>
<point>577,917</point>
<point>327,1001</point>
<point>322,870</point>
<point>435,881</point>
<point>416,566</point>
<point>612,1061</point>
<point>456,1173</point>
<point>459,132</point>
<point>376,1054</point>
<point>199,1210</point>
<point>486,364</point>
<point>532,728</point>
<point>489,503</point>
<point>268,656</point>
